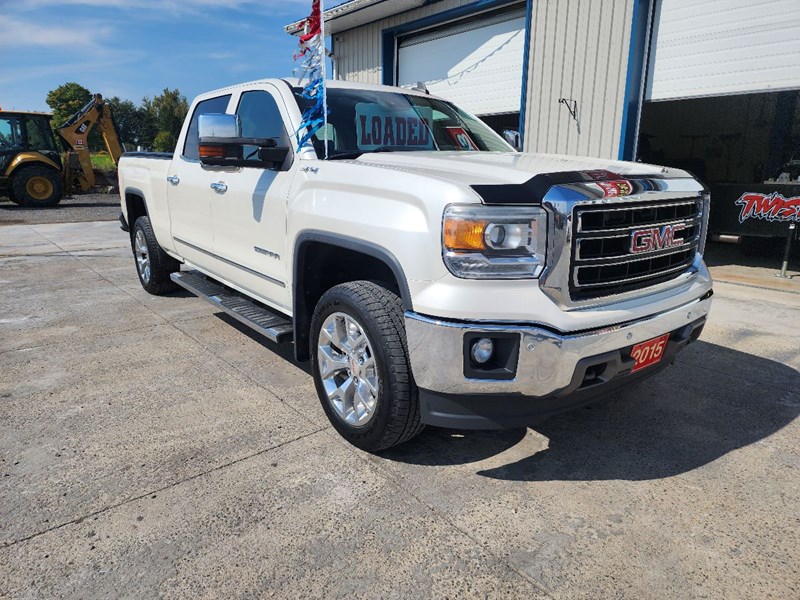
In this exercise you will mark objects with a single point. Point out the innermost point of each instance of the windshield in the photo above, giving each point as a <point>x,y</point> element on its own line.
<point>362,121</point>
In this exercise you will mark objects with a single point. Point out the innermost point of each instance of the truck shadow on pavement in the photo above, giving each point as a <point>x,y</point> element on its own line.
<point>28,209</point>
<point>681,419</point>
<point>285,351</point>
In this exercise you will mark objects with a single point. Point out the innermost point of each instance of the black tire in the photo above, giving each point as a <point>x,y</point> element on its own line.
<point>161,265</point>
<point>37,187</point>
<point>396,416</point>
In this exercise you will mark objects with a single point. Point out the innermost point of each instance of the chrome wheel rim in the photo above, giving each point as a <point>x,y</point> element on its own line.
<point>142,256</point>
<point>347,369</point>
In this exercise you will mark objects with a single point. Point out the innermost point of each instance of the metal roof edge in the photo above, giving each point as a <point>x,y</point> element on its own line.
<point>358,12</point>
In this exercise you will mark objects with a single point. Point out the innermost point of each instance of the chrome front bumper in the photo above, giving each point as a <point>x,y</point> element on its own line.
<point>548,361</point>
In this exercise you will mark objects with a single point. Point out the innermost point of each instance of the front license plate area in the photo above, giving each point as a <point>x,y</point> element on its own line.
<point>649,352</point>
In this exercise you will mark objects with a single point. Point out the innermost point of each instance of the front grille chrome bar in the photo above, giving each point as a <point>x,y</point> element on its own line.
<point>623,258</point>
<point>591,258</point>
<point>615,264</point>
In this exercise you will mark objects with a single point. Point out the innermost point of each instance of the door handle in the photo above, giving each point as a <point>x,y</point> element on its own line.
<point>220,187</point>
<point>174,179</point>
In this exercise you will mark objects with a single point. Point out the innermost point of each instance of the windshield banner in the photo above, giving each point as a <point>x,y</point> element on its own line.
<point>379,126</point>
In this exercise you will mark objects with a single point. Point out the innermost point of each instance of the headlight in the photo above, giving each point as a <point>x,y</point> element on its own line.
<point>490,242</point>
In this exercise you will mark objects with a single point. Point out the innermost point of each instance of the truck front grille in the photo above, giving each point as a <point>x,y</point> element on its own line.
<point>610,257</point>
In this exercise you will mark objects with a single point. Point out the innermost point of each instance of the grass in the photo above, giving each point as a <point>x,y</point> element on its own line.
<point>101,161</point>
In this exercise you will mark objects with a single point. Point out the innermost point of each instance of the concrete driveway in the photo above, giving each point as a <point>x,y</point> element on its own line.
<point>149,447</point>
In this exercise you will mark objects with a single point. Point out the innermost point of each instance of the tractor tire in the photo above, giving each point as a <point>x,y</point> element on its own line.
<point>37,187</point>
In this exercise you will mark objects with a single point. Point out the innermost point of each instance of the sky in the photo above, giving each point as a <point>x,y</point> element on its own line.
<point>136,48</point>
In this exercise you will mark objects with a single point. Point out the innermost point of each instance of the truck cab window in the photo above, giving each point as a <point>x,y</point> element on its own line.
<point>191,148</point>
<point>10,133</point>
<point>260,117</point>
<point>40,136</point>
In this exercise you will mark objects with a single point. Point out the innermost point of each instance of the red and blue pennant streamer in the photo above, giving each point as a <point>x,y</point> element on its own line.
<point>312,53</point>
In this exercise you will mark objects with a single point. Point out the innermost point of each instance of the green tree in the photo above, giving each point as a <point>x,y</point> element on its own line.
<point>165,141</point>
<point>128,118</point>
<point>66,100</point>
<point>148,128</point>
<point>168,111</point>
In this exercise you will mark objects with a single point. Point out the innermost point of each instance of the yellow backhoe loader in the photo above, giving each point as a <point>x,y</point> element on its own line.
<point>75,133</point>
<point>31,169</point>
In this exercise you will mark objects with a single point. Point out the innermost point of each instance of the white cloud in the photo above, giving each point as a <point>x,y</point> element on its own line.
<point>172,6</point>
<point>22,33</point>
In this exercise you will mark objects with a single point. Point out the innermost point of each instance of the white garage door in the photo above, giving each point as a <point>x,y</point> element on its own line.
<point>718,47</point>
<point>477,66</point>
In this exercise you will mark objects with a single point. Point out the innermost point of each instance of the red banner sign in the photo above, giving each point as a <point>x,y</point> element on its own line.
<point>769,207</point>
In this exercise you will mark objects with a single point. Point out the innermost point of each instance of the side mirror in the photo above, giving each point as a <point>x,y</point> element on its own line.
<point>220,144</point>
<point>513,137</point>
<point>216,125</point>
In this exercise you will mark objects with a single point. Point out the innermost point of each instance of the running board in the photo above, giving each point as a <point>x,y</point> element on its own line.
<point>268,323</point>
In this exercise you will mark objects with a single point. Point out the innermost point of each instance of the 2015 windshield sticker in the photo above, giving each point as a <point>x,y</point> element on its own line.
<point>378,127</point>
<point>770,207</point>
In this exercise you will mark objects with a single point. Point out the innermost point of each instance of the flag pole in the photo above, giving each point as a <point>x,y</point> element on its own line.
<point>324,51</point>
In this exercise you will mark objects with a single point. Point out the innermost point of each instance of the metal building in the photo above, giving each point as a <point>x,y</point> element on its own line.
<point>570,74</point>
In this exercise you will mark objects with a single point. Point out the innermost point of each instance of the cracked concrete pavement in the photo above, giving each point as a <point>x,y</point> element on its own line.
<point>150,447</point>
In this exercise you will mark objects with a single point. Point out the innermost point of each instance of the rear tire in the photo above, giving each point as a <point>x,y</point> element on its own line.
<point>37,187</point>
<point>153,265</point>
<point>361,367</point>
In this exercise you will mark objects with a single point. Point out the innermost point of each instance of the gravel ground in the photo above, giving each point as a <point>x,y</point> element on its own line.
<point>152,448</point>
<point>76,209</point>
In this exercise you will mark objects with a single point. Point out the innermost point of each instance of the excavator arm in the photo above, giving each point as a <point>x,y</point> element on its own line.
<point>75,133</point>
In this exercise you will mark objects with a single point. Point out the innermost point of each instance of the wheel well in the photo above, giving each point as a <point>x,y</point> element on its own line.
<point>136,208</point>
<point>318,266</point>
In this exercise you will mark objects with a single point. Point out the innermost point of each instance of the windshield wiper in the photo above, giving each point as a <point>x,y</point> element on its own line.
<point>349,155</point>
<point>345,155</point>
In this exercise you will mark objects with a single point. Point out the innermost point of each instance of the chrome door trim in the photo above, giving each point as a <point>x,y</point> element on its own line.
<point>231,263</point>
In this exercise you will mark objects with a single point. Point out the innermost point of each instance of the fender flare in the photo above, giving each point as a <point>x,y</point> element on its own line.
<point>347,243</point>
<point>24,158</point>
<point>135,192</point>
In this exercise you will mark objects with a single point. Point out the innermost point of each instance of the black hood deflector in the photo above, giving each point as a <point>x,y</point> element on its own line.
<point>534,190</point>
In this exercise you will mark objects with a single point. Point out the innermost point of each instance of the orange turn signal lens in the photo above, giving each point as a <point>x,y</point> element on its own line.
<point>464,235</point>
<point>205,151</point>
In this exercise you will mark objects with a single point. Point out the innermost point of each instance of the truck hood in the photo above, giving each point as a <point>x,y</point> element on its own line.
<point>471,168</point>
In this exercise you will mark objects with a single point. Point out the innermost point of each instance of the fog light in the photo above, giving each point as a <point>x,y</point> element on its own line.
<point>482,350</point>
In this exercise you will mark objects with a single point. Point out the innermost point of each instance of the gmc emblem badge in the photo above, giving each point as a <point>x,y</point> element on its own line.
<point>656,238</point>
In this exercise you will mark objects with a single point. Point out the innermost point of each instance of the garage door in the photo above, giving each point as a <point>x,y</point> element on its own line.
<point>477,65</point>
<point>724,47</point>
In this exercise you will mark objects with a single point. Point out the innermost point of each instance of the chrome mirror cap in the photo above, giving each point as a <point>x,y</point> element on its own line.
<point>217,125</point>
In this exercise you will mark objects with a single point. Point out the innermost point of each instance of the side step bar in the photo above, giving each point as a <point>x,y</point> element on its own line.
<point>268,323</point>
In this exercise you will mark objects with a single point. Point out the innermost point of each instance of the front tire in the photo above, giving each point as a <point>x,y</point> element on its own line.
<point>153,265</point>
<point>361,368</point>
<point>37,187</point>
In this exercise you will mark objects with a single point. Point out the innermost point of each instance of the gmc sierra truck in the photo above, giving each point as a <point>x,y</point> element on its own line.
<point>430,272</point>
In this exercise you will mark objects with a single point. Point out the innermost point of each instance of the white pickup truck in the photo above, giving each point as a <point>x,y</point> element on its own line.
<point>431,273</point>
